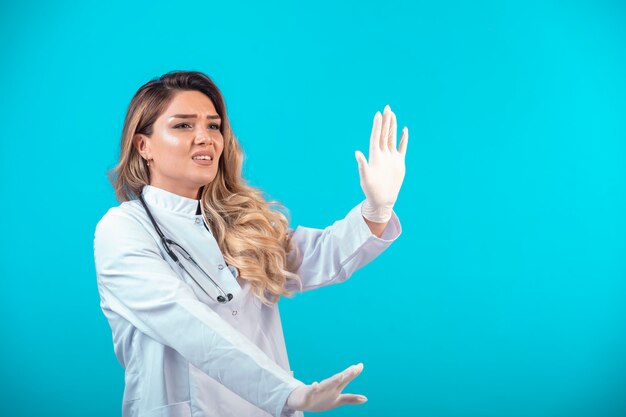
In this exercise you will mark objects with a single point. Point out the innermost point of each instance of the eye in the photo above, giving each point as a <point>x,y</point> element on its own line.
<point>214,126</point>
<point>181,124</point>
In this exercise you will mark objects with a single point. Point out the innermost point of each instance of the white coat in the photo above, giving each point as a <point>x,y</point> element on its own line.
<point>183,353</point>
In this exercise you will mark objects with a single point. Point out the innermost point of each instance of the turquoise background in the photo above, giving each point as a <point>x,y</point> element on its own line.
<point>505,294</point>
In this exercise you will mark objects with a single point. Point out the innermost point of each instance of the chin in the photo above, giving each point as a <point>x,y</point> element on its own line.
<point>207,180</point>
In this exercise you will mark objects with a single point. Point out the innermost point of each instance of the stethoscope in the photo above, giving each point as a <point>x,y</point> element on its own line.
<point>166,244</point>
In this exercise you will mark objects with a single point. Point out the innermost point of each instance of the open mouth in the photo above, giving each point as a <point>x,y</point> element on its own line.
<point>203,160</point>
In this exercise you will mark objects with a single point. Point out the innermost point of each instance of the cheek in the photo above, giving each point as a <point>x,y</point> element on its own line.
<point>171,155</point>
<point>171,142</point>
<point>171,148</point>
<point>218,146</point>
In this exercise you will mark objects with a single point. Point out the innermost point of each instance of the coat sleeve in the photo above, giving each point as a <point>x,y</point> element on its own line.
<point>140,285</point>
<point>328,256</point>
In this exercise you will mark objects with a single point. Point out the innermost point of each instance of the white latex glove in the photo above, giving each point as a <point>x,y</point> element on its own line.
<point>326,394</point>
<point>382,176</point>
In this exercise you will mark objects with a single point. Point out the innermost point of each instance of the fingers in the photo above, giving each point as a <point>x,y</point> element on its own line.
<point>351,399</point>
<point>393,132</point>
<point>333,381</point>
<point>326,394</point>
<point>375,135</point>
<point>341,379</point>
<point>404,141</point>
<point>383,144</point>
<point>362,163</point>
<point>384,134</point>
<point>349,374</point>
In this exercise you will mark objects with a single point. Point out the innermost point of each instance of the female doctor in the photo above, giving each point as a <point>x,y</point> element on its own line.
<point>191,264</point>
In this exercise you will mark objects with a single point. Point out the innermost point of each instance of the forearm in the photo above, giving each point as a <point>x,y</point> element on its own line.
<point>376,228</point>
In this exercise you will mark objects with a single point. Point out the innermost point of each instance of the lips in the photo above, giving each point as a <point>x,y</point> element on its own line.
<point>203,161</point>
<point>203,155</point>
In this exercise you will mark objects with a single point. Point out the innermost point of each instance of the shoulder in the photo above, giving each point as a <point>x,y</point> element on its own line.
<point>124,231</point>
<point>127,217</point>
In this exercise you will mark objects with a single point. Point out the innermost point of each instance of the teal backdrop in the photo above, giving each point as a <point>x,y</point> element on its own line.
<point>505,295</point>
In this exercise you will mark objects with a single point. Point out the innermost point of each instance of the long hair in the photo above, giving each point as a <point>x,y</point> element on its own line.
<point>251,235</point>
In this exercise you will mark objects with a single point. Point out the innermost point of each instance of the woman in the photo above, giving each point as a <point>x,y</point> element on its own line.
<point>191,264</point>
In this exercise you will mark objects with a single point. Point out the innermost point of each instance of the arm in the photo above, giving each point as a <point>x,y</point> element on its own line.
<point>331,255</point>
<point>376,228</point>
<point>327,256</point>
<point>352,242</point>
<point>140,285</point>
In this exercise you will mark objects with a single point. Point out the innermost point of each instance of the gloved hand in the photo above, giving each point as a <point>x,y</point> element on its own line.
<point>326,394</point>
<point>382,176</point>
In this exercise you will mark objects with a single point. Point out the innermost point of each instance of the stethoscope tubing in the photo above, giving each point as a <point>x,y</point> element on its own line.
<point>166,244</point>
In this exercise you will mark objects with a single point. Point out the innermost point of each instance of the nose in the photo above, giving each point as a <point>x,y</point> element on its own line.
<point>203,137</point>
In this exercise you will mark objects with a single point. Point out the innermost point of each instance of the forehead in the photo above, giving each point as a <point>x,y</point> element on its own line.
<point>190,102</point>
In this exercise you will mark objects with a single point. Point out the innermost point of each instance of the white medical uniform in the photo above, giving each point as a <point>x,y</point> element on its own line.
<point>183,353</point>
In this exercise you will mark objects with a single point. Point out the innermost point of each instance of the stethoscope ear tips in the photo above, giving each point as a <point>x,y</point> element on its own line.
<point>222,300</point>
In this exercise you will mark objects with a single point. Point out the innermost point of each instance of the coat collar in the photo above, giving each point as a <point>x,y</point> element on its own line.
<point>169,201</point>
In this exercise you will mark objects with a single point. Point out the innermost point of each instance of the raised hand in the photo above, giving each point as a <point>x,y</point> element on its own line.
<point>381,177</point>
<point>326,394</point>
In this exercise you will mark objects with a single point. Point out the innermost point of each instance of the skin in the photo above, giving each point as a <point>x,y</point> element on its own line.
<point>175,140</point>
<point>169,150</point>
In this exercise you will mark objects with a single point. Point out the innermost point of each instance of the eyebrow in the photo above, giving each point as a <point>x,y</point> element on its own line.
<point>193,116</point>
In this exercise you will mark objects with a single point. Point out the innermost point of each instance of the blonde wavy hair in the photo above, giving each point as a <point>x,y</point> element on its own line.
<point>252,235</point>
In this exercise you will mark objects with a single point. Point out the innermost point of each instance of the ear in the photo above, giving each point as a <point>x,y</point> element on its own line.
<point>142,145</point>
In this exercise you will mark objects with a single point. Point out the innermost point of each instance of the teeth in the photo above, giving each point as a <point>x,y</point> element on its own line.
<point>203,157</point>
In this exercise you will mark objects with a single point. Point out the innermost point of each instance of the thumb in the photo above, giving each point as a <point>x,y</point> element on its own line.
<point>362,162</point>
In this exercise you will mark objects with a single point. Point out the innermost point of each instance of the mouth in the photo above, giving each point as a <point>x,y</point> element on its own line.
<point>203,158</point>
<point>203,161</point>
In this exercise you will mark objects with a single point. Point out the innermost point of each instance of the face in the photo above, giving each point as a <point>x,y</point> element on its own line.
<point>185,146</point>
